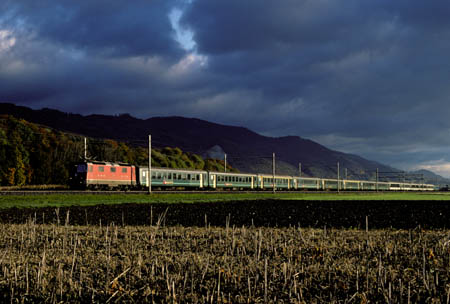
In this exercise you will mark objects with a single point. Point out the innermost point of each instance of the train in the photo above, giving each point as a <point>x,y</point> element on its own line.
<point>98,175</point>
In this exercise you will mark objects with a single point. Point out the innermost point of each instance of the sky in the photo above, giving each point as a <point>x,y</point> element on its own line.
<point>366,77</point>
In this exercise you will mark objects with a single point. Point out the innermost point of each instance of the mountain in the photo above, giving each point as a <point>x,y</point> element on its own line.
<point>245,149</point>
<point>430,177</point>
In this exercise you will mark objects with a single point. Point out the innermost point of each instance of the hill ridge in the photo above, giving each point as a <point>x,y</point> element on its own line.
<point>242,145</point>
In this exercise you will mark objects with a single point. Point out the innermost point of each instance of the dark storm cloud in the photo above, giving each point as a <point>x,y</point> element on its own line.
<point>367,77</point>
<point>115,28</point>
<point>355,74</point>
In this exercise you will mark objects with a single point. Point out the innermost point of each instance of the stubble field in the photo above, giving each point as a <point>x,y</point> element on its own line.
<point>234,252</point>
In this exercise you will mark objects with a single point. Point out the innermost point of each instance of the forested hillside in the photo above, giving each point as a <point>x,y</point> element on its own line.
<point>246,150</point>
<point>33,154</point>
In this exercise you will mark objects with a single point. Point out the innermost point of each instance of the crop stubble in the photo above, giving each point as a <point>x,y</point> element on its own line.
<point>53,263</point>
<point>259,254</point>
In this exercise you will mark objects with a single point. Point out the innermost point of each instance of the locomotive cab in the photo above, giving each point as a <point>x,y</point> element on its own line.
<point>78,175</point>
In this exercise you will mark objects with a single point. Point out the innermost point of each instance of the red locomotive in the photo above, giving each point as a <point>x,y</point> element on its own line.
<point>103,175</point>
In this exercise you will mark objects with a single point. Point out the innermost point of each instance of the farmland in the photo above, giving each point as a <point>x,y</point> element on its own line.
<point>53,263</point>
<point>235,251</point>
<point>85,199</point>
<point>380,214</point>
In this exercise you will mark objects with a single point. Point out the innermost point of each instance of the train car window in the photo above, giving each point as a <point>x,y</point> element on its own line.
<point>159,175</point>
<point>153,175</point>
<point>101,169</point>
<point>124,170</point>
<point>198,176</point>
<point>112,169</point>
<point>189,177</point>
<point>90,168</point>
<point>169,176</point>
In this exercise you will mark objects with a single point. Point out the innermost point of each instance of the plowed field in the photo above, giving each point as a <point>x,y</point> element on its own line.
<point>265,213</point>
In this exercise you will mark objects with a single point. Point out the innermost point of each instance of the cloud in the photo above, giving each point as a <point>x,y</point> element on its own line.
<point>100,27</point>
<point>364,77</point>
<point>7,40</point>
<point>441,167</point>
<point>183,36</point>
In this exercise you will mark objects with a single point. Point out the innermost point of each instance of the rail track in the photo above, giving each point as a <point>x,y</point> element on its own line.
<point>135,192</point>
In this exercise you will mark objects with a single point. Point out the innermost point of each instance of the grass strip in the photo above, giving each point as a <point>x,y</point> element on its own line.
<point>65,200</point>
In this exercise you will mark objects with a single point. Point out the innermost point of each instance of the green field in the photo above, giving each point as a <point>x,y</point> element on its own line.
<point>62,200</point>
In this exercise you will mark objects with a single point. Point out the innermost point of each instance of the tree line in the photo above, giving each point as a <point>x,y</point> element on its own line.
<point>33,154</point>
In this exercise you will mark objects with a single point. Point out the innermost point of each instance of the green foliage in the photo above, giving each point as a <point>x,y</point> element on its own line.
<point>35,155</point>
<point>217,165</point>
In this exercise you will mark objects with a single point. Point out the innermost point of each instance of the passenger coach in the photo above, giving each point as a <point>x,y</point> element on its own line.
<point>173,178</point>
<point>223,180</point>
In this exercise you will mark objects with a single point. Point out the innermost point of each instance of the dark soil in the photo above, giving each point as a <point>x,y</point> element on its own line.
<point>271,213</point>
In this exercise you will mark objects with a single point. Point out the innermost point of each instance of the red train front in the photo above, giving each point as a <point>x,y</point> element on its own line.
<point>103,175</point>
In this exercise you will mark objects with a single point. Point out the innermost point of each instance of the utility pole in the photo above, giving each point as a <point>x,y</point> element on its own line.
<point>85,149</point>
<point>346,173</point>
<point>273,171</point>
<point>377,179</point>
<point>225,158</point>
<point>299,174</point>
<point>338,177</point>
<point>149,164</point>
